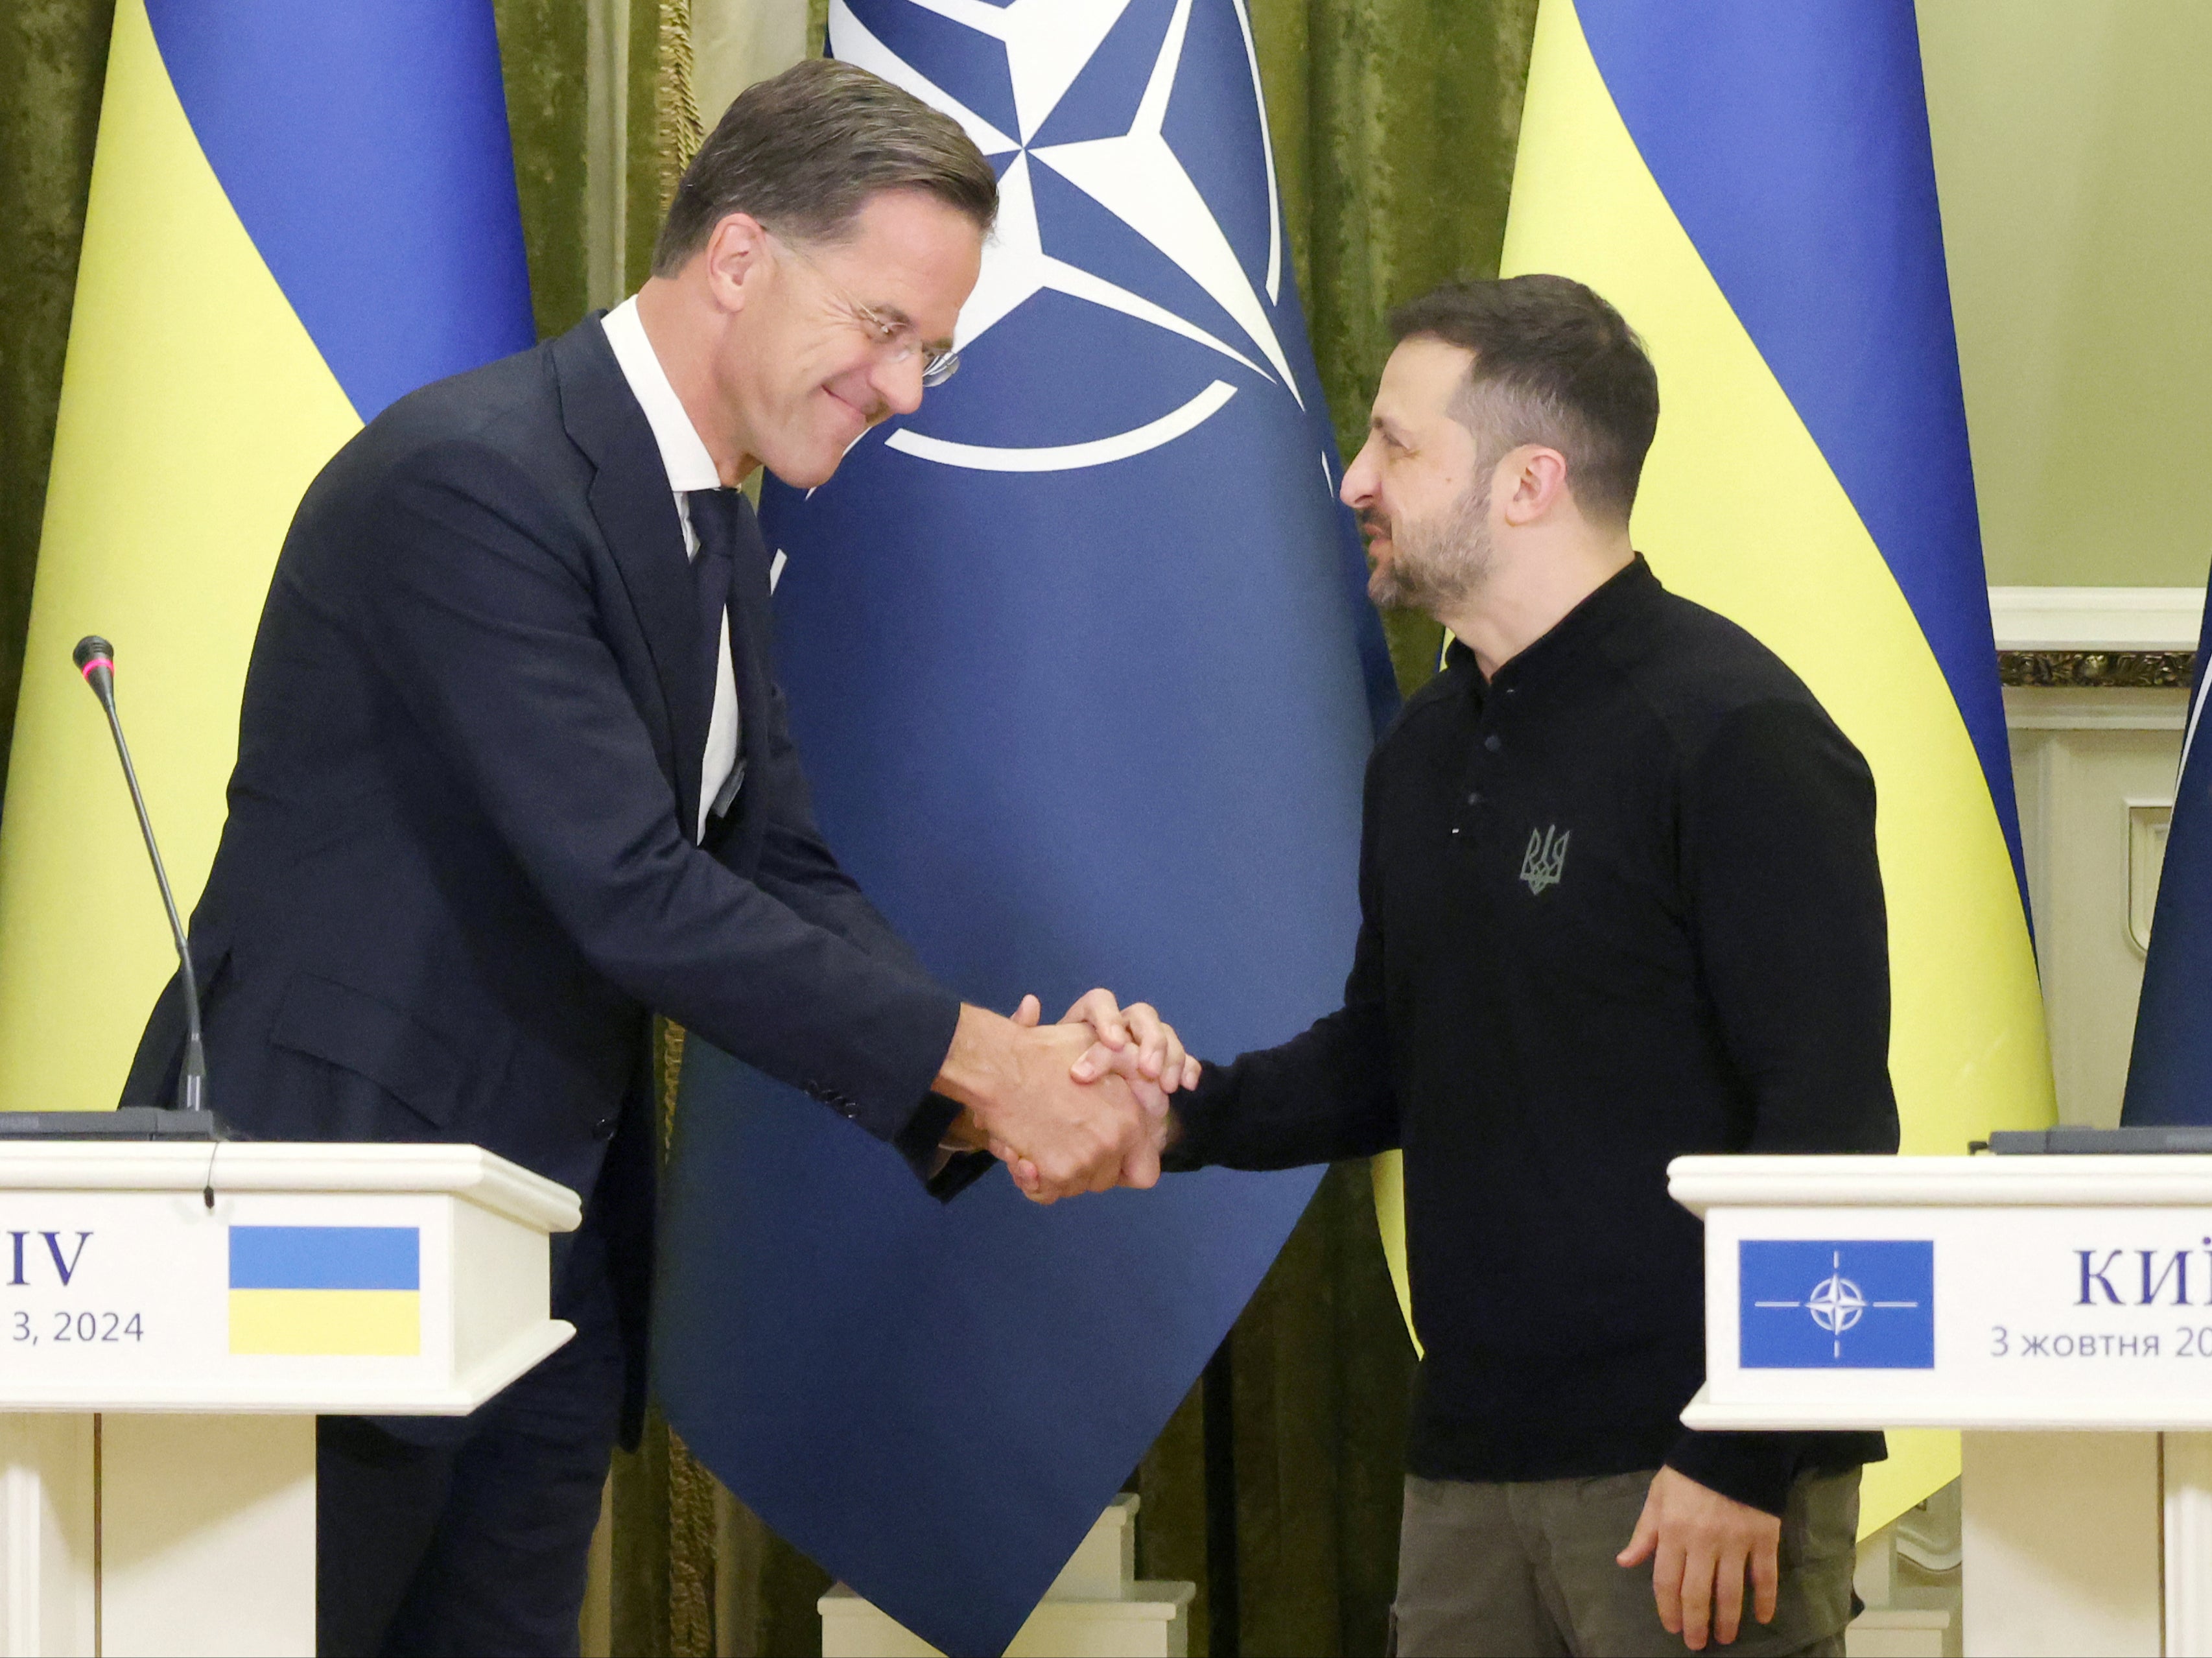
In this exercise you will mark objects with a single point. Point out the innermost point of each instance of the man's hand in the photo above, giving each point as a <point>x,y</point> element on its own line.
<point>1700,1544</point>
<point>1134,1043</point>
<point>1016,1082</point>
<point>1158,1056</point>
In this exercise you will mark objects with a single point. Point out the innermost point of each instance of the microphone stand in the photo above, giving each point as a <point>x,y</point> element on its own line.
<point>192,1119</point>
<point>97,666</point>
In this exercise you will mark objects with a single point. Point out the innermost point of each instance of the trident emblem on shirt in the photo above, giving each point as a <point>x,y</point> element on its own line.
<point>1546,859</point>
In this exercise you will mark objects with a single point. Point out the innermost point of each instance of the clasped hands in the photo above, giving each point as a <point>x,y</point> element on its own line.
<point>1078,1107</point>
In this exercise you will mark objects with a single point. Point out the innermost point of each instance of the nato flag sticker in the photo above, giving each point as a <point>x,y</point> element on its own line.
<point>1852,1305</point>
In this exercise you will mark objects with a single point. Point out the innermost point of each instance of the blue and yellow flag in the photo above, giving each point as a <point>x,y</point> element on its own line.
<point>298,213</point>
<point>1751,185</point>
<point>354,1291</point>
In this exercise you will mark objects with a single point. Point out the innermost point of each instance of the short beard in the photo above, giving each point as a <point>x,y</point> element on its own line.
<point>1438,563</point>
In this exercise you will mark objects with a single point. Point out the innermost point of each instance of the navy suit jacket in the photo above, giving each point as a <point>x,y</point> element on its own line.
<point>455,882</point>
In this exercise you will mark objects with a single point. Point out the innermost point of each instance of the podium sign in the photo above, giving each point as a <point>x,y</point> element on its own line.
<point>173,1318</point>
<point>134,1297</point>
<point>2057,1308</point>
<point>2044,1292</point>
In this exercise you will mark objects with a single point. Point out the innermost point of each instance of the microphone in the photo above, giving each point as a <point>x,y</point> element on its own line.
<point>96,660</point>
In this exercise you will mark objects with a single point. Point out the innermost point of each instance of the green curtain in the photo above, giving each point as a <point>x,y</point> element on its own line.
<point>1275,1486</point>
<point>53,57</point>
<point>1394,123</point>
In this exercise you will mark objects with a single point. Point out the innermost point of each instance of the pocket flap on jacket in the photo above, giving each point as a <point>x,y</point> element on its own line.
<point>353,1029</point>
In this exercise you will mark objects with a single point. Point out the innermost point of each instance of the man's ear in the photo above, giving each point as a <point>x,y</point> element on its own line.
<point>1536,480</point>
<point>736,254</point>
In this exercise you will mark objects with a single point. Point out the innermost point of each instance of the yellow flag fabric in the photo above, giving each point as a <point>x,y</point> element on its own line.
<point>1742,509</point>
<point>195,409</point>
<point>297,215</point>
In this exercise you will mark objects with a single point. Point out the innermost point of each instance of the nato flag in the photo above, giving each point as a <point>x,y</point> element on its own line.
<point>1079,661</point>
<point>2170,1074</point>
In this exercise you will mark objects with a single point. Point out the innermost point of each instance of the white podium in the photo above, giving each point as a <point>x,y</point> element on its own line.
<point>162,1360</point>
<point>2059,1309</point>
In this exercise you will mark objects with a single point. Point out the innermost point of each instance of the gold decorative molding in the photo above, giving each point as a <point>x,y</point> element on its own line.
<point>690,1497</point>
<point>671,1057</point>
<point>691,1561</point>
<point>691,1554</point>
<point>2134,670</point>
<point>676,110</point>
<point>690,1492</point>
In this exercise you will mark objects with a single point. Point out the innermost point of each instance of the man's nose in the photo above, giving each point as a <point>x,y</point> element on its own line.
<point>1358,486</point>
<point>899,384</point>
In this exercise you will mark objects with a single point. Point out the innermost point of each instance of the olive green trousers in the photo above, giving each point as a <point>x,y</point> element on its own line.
<point>1526,1571</point>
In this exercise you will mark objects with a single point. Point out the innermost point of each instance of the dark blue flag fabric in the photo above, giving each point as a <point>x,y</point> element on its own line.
<point>1080,665</point>
<point>364,148</point>
<point>2170,1074</point>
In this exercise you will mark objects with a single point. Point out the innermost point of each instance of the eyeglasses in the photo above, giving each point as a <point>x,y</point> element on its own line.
<point>895,338</point>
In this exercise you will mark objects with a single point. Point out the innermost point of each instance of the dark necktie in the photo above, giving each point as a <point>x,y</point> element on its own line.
<point>714,522</point>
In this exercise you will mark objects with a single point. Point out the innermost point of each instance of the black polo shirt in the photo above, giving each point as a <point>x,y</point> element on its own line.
<point>1619,904</point>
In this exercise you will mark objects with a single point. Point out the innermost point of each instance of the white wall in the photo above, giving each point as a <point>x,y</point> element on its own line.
<point>2073,144</point>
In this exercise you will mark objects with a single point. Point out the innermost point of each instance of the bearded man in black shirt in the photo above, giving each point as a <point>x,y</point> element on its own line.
<point>1621,903</point>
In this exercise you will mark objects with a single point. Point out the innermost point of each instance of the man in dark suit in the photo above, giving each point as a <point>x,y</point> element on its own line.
<point>513,775</point>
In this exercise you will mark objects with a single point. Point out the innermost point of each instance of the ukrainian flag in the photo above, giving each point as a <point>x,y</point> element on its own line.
<point>1751,185</point>
<point>298,213</point>
<point>327,1289</point>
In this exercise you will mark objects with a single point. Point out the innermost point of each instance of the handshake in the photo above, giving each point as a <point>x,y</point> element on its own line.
<point>1078,1107</point>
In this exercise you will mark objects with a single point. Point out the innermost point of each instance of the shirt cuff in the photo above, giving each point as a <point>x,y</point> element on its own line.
<point>1753,1469</point>
<point>947,1171</point>
<point>1194,1110</point>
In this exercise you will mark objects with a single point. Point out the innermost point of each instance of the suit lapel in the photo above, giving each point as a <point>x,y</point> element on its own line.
<point>637,514</point>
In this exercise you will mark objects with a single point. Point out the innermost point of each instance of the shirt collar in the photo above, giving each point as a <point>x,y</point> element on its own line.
<point>1622,595</point>
<point>683,453</point>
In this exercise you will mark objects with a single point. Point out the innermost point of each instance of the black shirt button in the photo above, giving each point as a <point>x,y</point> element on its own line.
<point>1492,742</point>
<point>1474,798</point>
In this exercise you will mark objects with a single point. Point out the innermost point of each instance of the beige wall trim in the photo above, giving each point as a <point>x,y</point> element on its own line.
<point>2096,618</point>
<point>2123,638</point>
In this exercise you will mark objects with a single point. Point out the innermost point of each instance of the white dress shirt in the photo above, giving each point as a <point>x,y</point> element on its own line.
<point>689,467</point>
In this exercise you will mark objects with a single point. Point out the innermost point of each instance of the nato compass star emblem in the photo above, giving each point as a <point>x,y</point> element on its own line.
<point>1859,1303</point>
<point>1836,1303</point>
<point>1055,54</point>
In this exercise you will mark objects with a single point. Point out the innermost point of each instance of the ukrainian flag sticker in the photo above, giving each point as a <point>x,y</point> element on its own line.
<point>337,1289</point>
